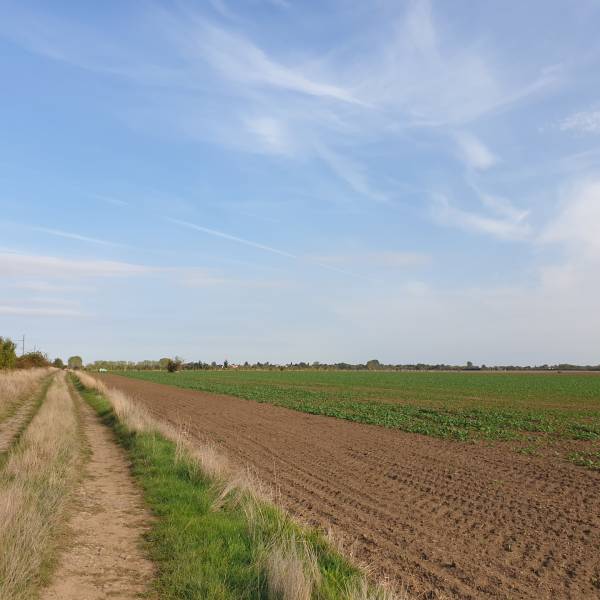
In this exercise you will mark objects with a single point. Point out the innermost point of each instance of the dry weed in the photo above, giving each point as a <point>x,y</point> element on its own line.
<point>18,385</point>
<point>34,486</point>
<point>292,570</point>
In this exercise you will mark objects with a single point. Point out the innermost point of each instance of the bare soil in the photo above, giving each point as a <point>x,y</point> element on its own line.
<point>102,557</point>
<point>445,519</point>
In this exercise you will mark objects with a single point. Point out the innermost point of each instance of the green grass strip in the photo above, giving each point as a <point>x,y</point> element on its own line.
<point>203,552</point>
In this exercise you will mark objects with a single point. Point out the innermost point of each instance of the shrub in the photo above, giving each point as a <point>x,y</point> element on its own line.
<point>8,355</point>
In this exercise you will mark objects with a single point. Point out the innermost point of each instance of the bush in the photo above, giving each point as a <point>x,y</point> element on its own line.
<point>8,355</point>
<point>32,360</point>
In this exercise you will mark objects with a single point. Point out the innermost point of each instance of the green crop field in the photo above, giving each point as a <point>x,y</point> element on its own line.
<point>459,405</point>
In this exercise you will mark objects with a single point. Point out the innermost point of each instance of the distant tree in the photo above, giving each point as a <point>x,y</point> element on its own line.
<point>469,364</point>
<point>373,364</point>
<point>58,363</point>
<point>174,364</point>
<point>8,354</point>
<point>163,362</point>
<point>225,364</point>
<point>75,362</point>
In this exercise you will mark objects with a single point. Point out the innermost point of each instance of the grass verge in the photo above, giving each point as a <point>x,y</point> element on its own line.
<point>215,534</point>
<point>35,483</point>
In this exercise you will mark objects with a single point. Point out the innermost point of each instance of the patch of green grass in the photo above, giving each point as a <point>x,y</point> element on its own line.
<point>590,460</point>
<point>462,406</point>
<point>200,551</point>
<point>527,450</point>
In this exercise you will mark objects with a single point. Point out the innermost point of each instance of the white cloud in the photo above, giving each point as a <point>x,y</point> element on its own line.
<point>475,154</point>
<point>582,122</point>
<point>577,225</point>
<point>24,265</point>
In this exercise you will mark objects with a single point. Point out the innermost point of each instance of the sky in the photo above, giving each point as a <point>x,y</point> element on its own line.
<point>276,180</point>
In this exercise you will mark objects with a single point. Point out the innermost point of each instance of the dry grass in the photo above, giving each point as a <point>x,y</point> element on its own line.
<point>34,487</point>
<point>17,385</point>
<point>292,570</point>
<point>289,562</point>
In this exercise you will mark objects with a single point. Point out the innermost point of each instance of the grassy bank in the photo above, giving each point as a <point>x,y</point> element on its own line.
<point>451,405</point>
<point>216,535</point>
<point>35,482</point>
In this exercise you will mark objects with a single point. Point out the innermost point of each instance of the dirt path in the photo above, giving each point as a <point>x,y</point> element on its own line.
<point>103,557</point>
<point>467,520</point>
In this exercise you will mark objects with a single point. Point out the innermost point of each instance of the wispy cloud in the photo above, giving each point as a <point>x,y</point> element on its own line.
<point>74,236</point>
<point>582,122</point>
<point>27,265</point>
<point>111,200</point>
<point>508,225</point>
<point>240,60</point>
<point>47,287</point>
<point>352,173</point>
<point>411,74</point>
<point>474,152</point>
<point>23,311</point>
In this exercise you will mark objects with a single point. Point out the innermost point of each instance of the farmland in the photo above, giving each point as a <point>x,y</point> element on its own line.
<point>88,477</point>
<point>454,405</point>
<point>436,516</point>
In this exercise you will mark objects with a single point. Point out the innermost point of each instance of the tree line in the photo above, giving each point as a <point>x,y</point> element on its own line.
<point>29,360</point>
<point>177,364</point>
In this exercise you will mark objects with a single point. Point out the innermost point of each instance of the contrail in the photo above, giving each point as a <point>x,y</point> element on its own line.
<point>233,238</point>
<point>240,240</point>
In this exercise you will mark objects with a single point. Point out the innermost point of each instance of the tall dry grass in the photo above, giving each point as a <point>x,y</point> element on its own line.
<point>17,385</point>
<point>34,486</point>
<point>289,563</point>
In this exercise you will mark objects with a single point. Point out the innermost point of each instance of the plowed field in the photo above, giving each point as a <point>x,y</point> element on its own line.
<point>444,518</point>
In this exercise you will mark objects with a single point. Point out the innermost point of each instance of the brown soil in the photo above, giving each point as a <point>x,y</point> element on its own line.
<point>103,557</point>
<point>446,519</point>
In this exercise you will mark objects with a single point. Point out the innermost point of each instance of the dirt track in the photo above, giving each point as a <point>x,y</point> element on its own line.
<point>102,558</point>
<point>465,520</point>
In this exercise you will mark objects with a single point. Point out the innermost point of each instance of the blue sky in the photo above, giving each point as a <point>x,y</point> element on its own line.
<point>281,180</point>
